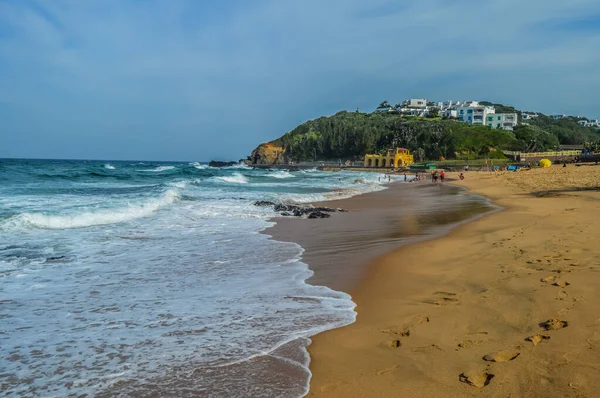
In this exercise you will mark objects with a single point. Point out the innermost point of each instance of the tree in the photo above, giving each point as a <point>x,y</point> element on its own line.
<point>384,104</point>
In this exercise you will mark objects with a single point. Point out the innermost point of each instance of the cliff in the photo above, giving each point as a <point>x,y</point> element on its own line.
<point>268,153</point>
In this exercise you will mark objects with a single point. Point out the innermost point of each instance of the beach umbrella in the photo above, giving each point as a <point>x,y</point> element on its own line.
<point>545,163</point>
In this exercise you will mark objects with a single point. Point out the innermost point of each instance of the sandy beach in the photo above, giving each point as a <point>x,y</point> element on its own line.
<point>506,305</point>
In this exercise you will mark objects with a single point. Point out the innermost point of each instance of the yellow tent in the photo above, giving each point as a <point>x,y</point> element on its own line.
<point>545,163</point>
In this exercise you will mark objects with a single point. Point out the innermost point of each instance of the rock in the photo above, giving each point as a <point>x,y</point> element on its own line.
<point>263,203</point>
<point>554,324</point>
<point>216,163</point>
<point>318,214</point>
<point>269,153</point>
<point>478,380</point>
<point>298,211</point>
<point>561,284</point>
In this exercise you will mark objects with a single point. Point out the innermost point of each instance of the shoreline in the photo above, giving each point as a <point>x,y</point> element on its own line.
<point>428,312</point>
<point>417,218</point>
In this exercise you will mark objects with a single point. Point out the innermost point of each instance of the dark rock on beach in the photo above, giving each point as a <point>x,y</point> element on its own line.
<point>318,214</point>
<point>263,203</point>
<point>299,211</point>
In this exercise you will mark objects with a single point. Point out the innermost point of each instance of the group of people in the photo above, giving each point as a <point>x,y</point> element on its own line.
<point>435,176</point>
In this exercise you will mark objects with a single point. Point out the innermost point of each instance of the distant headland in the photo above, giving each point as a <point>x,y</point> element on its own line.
<point>430,130</point>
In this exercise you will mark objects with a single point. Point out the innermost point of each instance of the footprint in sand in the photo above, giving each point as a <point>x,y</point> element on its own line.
<point>442,298</point>
<point>396,343</point>
<point>561,295</point>
<point>501,356</point>
<point>538,338</point>
<point>554,324</point>
<point>561,284</point>
<point>476,379</point>
<point>548,279</point>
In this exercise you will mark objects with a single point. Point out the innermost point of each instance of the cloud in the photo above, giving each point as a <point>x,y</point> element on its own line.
<point>193,80</point>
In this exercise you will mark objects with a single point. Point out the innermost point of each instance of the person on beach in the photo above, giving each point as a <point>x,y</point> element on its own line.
<point>405,177</point>
<point>434,176</point>
<point>461,176</point>
<point>442,176</point>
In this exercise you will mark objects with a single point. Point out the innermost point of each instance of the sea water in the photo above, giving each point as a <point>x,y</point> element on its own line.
<point>146,278</point>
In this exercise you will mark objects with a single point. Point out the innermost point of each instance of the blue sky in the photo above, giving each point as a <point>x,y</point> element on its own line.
<point>201,80</point>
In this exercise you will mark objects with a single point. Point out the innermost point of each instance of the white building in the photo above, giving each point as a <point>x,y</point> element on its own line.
<point>590,123</point>
<point>415,103</point>
<point>450,113</point>
<point>474,114</point>
<point>529,115</point>
<point>504,121</point>
<point>445,105</point>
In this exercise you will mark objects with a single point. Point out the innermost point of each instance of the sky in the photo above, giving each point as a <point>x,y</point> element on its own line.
<point>199,80</point>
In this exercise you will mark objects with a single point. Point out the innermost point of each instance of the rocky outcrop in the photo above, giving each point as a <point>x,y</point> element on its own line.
<point>216,163</point>
<point>299,211</point>
<point>268,153</point>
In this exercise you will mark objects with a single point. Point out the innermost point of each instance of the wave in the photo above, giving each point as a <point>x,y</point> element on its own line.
<point>240,165</point>
<point>88,219</point>
<point>281,174</point>
<point>199,166</point>
<point>109,166</point>
<point>236,178</point>
<point>159,169</point>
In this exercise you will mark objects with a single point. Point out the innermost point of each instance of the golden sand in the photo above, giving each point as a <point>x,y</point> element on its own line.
<point>505,306</point>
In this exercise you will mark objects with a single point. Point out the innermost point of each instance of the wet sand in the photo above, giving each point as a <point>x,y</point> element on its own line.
<point>450,317</point>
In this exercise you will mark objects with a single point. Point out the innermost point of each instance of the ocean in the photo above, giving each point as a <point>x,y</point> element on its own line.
<point>153,279</point>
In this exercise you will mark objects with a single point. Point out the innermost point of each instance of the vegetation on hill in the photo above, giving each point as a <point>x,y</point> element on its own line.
<point>350,135</point>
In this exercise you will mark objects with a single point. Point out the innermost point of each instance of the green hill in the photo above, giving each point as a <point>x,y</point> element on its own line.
<point>350,135</point>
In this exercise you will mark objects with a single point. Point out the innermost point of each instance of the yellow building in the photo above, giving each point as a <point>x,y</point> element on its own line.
<point>395,158</point>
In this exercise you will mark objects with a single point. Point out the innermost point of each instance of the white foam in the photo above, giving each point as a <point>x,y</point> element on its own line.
<point>159,169</point>
<point>235,178</point>
<point>178,184</point>
<point>87,219</point>
<point>237,166</point>
<point>199,166</point>
<point>281,174</point>
<point>109,166</point>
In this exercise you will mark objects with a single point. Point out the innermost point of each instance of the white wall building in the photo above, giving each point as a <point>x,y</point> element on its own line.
<point>529,115</point>
<point>415,103</point>
<point>474,114</point>
<point>504,121</point>
<point>590,123</point>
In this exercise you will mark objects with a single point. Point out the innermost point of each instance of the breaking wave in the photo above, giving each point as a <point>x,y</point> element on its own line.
<point>281,174</point>
<point>235,178</point>
<point>88,219</point>
<point>109,166</point>
<point>159,169</point>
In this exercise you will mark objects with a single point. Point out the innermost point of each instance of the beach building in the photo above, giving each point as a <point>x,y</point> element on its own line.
<point>589,123</point>
<point>504,121</point>
<point>394,158</point>
<point>474,114</point>
<point>415,103</point>
<point>529,115</point>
